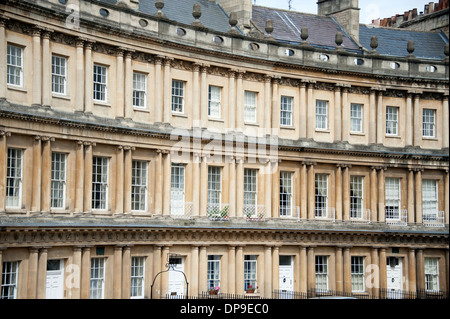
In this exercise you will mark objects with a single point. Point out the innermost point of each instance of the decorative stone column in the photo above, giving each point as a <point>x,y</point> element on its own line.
<point>239,102</point>
<point>311,191</point>
<point>302,111</point>
<point>231,99</point>
<point>337,115</point>
<point>46,174</point>
<point>204,96</point>
<point>3,157</point>
<point>165,275</point>
<point>445,121</point>
<point>412,270</point>
<point>380,119</point>
<point>74,291</point>
<point>419,207</point>
<point>79,178</point>
<point>383,274</point>
<point>85,272</point>
<point>311,282</point>
<point>372,117</point>
<point>128,85</point>
<point>240,187</point>
<point>157,263</point>
<point>275,103</point>
<point>239,270</point>
<point>275,269</point>
<point>46,69</point>
<point>202,285</point>
<point>167,172</point>
<point>381,195</point>
<point>339,270</point>
<point>410,195</point>
<point>346,192</point>
<point>373,194</point>
<point>126,269</point>
<point>32,272</point>
<point>117,272</point>
<point>37,165</point>
<point>310,124</point>
<point>120,83</point>
<point>128,159</point>
<point>446,196</point>
<point>88,77</point>
<point>194,284</point>
<point>268,182</point>
<point>303,270</point>
<point>417,124</point>
<point>267,104</point>
<point>3,57</point>
<point>268,271</point>
<point>195,189</point>
<point>37,81</point>
<point>196,95</point>
<point>119,180</point>
<point>420,270</point>
<point>158,89</point>
<point>231,270</point>
<point>203,186</point>
<point>347,271</point>
<point>159,183</point>
<point>375,272</point>
<point>338,192</point>
<point>42,273</point>
<point>88,160</point>
<point>276,191</point>
<point>303,192</point>
<point>79,93</point>
<point>232,186</point>
<point>409,120</point>
<point>167,113</point>
<point>345,123</point>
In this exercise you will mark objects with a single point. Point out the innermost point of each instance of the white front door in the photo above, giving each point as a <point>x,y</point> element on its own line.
<point>176,278</point>
<point>286,276</point>
<point>394,275</point>
<point>55,279</point>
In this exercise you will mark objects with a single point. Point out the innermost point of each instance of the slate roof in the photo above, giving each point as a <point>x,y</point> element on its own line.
<point>213,16</point>
<point>393,42</point>
<point>287,27</point>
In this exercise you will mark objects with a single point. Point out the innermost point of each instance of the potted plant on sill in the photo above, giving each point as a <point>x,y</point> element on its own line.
<point>214,291</point>
<point>250,289</point>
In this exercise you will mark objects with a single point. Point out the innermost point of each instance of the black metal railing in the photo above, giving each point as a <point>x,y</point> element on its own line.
<point>323,294</point>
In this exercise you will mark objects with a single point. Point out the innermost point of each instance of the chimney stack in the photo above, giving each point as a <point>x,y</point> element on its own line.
<point>243,10</point>
<point>346,13</point>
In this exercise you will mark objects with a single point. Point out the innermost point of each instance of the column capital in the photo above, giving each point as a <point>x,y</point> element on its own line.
<point>47,139</point>
<point>3,20</point>
<point>128,148</point>
<point>168,61</point>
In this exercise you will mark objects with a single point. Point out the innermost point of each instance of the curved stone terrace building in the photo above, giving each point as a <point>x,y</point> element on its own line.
<point>261,151</point>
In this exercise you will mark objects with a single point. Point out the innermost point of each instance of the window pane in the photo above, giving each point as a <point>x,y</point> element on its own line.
<point>214,101</point>
<point>250,100</point>
<point>177,96</point>
<point>321,114</point>
<point>286,111</point>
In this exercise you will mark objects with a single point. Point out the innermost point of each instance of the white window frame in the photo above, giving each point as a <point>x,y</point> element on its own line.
<point>250,106</point>
<point>321,115</point>
<point>139,171</point>
<point>357,274</point>
<point>321,195</point>
<point>251,189</point>
<point>9,280</point>
<point>431,274</point>
<point>430,200</point>
<point>286,107</point>
<point>392,119</point>
<point>429,123</point>
<point>356,117</point>
<point>97,279</point>
<point>393,198</point>
<point>100,83</point>
<point>100,179</point>
<point>137,284</point>
<point>58,180</point>
<point>321,273</point>
<point>214,101</point>
<point>14,175</point>
<point>213,272</point>
<point>250,271</point>
<point>178,88</point>
<point>214,185</point>
<point>286,193</point>
<point>14,65</point>
<point>356,196</point>
<point>177,189</point>
<point>139,90</point>
<point>59,75</point>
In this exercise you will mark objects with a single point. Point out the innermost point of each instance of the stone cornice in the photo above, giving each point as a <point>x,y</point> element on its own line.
<point>104,235</point>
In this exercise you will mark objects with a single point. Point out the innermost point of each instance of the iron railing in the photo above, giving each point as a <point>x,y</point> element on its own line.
<point>218,212</point>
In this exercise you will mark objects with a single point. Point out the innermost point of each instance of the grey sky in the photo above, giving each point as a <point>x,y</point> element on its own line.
<point>370,9</point>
